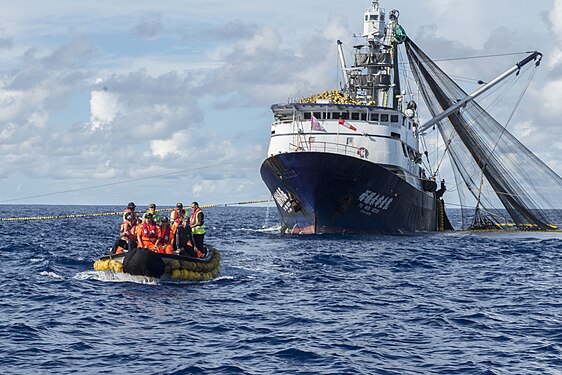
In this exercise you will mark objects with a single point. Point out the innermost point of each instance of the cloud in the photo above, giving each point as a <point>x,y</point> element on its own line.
<point>258,70</point>
<point>6,43</point>
<point>549,96</point>
<point>196,101</point>
<point>103,109</point>
<point>149,26</point>
<point>235,29</point>
<point>212,187</point>
<point>74,54</point>
<point>555,18</point>
<point>177,145</point>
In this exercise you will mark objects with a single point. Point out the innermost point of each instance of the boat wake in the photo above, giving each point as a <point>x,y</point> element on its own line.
<point>119,277</point>
<point>274,229</point>
<point>113,277</point>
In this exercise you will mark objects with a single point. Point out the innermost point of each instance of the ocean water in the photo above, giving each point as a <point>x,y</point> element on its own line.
<point>452,303</point>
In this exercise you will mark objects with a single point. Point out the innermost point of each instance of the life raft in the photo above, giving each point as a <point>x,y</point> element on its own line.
<point>143,262</point>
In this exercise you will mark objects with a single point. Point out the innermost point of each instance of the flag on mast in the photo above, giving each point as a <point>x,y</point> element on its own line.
<point>315,125</point>
<point>346,124</point>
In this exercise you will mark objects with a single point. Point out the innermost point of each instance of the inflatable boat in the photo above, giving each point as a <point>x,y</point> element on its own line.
<point>143,262</point>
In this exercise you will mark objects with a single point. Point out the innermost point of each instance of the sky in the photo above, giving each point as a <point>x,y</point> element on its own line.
<point>106,102</point>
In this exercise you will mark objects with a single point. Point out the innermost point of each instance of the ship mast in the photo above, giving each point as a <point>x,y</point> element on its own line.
<point>370,79</point>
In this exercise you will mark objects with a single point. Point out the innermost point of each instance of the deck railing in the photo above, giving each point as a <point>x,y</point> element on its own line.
<point>332,147</point>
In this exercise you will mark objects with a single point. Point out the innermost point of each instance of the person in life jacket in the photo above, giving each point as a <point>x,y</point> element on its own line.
<point>175,225</point>
<point>164,242</point>
<point>127,235</point>
<point>130,209</point>
<point>152,210</point>
<point>147,236</point>
<point>183,240</point>
<point>178,213</point>
<point>197,224</point>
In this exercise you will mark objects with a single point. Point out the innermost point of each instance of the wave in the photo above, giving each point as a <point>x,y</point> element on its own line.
<point>52,275</point>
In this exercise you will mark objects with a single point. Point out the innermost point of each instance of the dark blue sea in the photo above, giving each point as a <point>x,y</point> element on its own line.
<point>453,303</point>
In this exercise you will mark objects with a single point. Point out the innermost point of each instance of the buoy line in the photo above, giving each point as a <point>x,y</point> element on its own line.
<point>80,216</point>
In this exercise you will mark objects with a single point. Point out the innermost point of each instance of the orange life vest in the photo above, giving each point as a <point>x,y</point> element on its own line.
<point>165,235</point>
<point>149,232</point>
<point>177,214</point>
<point>193,217</point>
<point>128,231</point>
<point>175,226</point>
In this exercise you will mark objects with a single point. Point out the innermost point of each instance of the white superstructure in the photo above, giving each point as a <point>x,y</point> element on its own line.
<point>385,134</point>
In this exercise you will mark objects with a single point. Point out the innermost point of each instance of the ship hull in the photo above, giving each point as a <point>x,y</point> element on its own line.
<point>331,193</point>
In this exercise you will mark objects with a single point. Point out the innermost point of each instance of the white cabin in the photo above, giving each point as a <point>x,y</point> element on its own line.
<point>384,136</point>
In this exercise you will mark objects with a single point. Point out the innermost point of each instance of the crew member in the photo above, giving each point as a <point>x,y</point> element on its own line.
<point>177,213</point>
<point>164,242</point>
<point>183,240</point>
<point>152,210</point>
<point>127,233</point>
<point>197,224</point>
<point>148,233</point>
<point>439,193</point>
<point>130,210</point>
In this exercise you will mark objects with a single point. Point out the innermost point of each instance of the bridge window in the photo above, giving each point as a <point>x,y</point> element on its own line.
<point>363,117</point>
<point>355,116</point>
<point>318,114</point>
<point>411,153</point>
<point>307,116</point>
<point>374,117</point>
<point>384,118</point>
<point>394,118</point>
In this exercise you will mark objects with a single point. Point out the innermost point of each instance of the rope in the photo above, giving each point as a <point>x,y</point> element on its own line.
<point>112,183</point>
<point>80,216</point>
<point>238,203</point>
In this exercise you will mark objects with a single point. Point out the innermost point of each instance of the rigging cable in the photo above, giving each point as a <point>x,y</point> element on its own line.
<point>80,216</point>
<point>111,183</point>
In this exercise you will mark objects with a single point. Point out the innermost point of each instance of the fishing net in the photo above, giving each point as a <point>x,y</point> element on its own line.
<point>512,188</point>
<point>143,262</point>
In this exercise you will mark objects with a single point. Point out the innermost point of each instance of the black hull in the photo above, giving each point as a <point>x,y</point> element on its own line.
<point>330,193</point>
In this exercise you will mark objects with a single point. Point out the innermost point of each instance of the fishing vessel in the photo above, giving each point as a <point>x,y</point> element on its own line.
<point>351,161</point>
